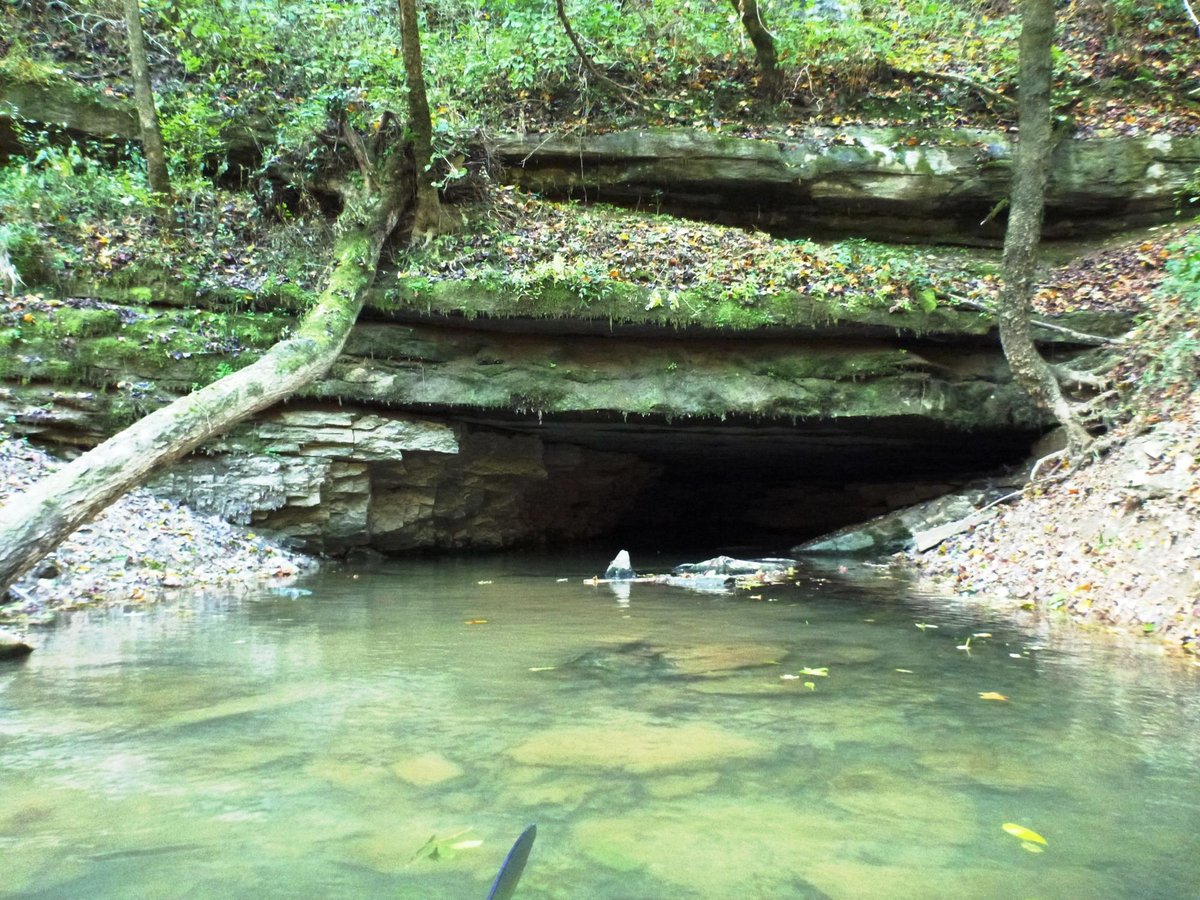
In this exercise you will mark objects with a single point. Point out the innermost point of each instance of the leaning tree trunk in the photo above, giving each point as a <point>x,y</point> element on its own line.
<point>34,523</point>
<point>1024,230</point>
<point>152,141</point>
<point>771,85</point>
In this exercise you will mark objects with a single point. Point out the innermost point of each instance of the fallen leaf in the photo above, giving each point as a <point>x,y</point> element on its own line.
<point>1023,833</point>
<point>476,621</point>
<point>991,695</point>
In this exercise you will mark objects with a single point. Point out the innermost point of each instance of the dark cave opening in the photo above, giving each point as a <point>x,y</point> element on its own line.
<point>754,487</point>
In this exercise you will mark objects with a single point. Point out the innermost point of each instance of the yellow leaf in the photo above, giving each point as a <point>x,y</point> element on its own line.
<point>992,695</point>
<point>476,622</point>
<point>1020,831</point>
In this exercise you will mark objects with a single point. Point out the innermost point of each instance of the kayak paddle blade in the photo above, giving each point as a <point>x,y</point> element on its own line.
<point>514,864</point>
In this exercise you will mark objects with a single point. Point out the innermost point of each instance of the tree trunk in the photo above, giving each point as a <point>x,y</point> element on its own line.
<point>771,85</point>
<point>152,141</point>
<point>34,523</point>
<point>429,219</point>
<point>1023,234</point>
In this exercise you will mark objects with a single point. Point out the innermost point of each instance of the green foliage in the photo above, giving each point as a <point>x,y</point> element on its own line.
<point>1169,342</point>
<point>61,187</point>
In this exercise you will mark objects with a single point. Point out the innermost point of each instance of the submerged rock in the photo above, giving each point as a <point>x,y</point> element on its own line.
<point>621,568</point>
<point>427,769</point>
<point>635,746</point>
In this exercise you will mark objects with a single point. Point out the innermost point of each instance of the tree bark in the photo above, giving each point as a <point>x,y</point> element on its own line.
<point>429,218</point>
<point>771,85</point>
<point>1023,234</point>
<point>152,140</point>
<point>34,523</point>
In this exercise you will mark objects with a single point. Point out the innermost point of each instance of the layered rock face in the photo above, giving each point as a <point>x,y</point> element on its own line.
<point>882,183</point>
<point>336,480</point>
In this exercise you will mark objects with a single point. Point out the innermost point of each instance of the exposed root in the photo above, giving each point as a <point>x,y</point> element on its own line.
<point>1080,380</point>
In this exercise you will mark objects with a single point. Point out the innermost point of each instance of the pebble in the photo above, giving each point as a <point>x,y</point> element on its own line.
<point>141,549</point>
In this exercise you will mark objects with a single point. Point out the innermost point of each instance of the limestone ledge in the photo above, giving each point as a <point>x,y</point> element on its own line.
<point>875,182</point>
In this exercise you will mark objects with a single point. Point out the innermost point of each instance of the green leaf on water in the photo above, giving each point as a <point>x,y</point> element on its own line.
<point>820,671</point>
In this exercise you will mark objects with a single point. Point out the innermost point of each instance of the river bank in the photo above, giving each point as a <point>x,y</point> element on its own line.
<point>1114,544</point>
<point>138,551</point>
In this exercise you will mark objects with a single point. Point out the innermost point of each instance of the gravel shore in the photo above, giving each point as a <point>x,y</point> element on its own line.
<point>1115,544</point>
<point>138,551</point>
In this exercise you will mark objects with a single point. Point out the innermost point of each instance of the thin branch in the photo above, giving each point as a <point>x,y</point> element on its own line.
<point>359,149</point>
<point>959,79</point>
<point>627,93</point>
<point>1192,15</point>
<point>1081,337</point>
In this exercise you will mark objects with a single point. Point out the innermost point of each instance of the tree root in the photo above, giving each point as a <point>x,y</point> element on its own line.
<point>1076,378</point>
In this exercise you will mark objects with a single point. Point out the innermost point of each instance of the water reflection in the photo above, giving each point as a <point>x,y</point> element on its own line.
<point>365,740</point>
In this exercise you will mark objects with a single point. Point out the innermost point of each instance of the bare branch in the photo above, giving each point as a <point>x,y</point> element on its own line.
<point>627,93</point>
<point>978,88</point>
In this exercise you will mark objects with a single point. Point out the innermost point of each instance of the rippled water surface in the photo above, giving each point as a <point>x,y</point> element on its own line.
<point>366,741</point>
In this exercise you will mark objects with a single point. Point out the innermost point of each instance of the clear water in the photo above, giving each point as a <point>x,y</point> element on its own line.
<point>340,744</point>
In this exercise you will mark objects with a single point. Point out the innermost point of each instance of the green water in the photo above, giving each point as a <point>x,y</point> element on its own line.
<point>312,746</point>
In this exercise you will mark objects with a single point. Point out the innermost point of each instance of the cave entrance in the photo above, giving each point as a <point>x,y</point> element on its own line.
<point>753,487</point>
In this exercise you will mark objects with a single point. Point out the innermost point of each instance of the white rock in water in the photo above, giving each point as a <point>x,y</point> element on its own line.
<point>12,647</point>
<point>621,568</point>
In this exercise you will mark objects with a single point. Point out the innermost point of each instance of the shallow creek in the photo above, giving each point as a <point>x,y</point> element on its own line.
<point>365,740</point>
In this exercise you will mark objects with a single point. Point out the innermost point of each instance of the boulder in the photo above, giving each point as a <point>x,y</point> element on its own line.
<point>727,565</point>
<point>621,568</point>
<point>12,647</point>
<point>922,526</point>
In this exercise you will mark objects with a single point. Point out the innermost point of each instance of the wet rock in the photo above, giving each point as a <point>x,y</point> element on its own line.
<point>46,569</point>
<point>12,647</point>
<point>621,568</point>
<point>727,565</point>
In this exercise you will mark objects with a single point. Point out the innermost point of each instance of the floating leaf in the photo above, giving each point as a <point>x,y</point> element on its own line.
<point>821,671</point>
<point>924,625</point>
<point>982,634</point>
<point>905,671</point>
<point>542,668</point>
<point>991,695</point>
<point>476,622</point>
<point>1023,833</point>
